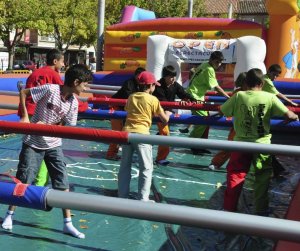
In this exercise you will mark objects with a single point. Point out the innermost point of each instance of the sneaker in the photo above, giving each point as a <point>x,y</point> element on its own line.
<point>199,151</point>
<point>185,130</point>
<point>212,167</point>
<point>114,158</point>
<point>162,162</point>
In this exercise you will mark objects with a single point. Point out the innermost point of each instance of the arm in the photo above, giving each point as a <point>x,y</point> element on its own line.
<point>164,116</point>
<point>24,114</point>
<point>220,90</point>
<point>291,116</point>
<point>182,94</point>
<point>282,96</point>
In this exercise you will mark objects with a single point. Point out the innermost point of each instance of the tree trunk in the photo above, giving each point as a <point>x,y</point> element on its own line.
<point>11,56</point>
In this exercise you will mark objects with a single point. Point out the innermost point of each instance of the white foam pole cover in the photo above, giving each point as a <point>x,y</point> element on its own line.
<point>250,53</point>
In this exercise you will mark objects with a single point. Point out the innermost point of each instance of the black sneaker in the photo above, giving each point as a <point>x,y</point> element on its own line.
<point>199,151</point>
<point>185,130</point>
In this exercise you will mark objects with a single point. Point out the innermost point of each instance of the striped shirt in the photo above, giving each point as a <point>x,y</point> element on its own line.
<point>51,110</point>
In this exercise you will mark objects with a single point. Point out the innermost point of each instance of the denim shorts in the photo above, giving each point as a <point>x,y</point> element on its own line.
<point>30,160</point>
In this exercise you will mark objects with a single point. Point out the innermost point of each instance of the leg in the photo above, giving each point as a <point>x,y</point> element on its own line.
<point>262,176</point>
<point>237,169</point>
<point>42,177</point>
<point>54,160</point>
<point>124,175</point>
<point>163,151</point>
<point>146,169</point>
<point>116,125</point>
<point>199,131</point>
<point>221,157</point>
<point>29,161</point>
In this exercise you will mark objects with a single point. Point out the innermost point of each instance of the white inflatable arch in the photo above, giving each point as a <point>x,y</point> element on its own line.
<point>247,52</point>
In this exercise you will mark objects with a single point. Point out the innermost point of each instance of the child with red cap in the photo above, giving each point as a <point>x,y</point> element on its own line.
<point>141,107</point>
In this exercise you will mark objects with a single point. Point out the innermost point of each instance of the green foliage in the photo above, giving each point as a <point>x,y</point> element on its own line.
<point>69,21</point>
<point>16,17</point>
<point>162,8</point>
<point>75,21</point>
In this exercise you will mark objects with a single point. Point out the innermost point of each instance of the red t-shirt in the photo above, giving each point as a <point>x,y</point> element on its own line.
<point>41,76</point>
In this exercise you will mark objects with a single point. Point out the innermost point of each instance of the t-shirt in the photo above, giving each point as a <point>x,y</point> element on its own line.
<point>41,76</point>
<point>141,107</point>
<point>252,111</point>
<point>169,93</point>
<point>51,110</point>
<point>268,86</point>
<point>203,80</point>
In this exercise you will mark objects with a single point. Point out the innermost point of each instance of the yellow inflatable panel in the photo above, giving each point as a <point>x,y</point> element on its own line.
<point>140,37</point>
<point>124,64</point>
<point>282,7</point>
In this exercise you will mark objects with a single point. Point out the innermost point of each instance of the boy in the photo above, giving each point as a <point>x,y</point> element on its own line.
<point>129,87</point>
<point>221,157</point>
<point>273,72</point>
<point>56,105</point>
<point>203,80</point>
<point>252,111</point>
<point>167,91</point>
<point>48,74</point>
<point>141,107</point>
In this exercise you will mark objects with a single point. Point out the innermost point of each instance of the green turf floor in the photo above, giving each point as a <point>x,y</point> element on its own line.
<point>186,181</point>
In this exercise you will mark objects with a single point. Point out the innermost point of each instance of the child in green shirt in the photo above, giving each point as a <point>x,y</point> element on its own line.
<point>273,72</point>
<point>203,80</point>
<point>252,111</point>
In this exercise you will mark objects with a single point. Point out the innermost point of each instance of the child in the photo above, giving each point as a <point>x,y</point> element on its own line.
<point>56,105</point>
<point>273,72</point>
<point>167,91</point>
<point>252,111</point>
<point>141,107</point>
<point>129,87</point>
<point>186,85</point>
<point>203,80</point>
<point>221,157</point>
<point>48,74</point>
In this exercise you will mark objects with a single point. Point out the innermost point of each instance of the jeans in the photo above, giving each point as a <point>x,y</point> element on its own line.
<point>145,161</point>
<point>30,160</point>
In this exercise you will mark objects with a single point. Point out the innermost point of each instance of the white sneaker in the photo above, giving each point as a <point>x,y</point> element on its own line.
<point>212,167</point>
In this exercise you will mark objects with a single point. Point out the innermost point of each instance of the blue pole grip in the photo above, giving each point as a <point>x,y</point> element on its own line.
<point>14,192</point>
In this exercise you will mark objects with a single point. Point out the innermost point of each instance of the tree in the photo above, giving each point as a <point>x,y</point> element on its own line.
<point>163,8</point>
<point>16,17</point>
<point>69,22</point>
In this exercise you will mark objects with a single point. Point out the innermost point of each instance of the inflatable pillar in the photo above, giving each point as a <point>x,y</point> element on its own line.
<point>283,36</point>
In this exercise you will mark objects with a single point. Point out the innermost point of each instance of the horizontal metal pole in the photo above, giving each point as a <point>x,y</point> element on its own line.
<point>104,87</point>
<point>187,119</point>
<point>214,144</point>
<point>110,136</point>
<point>9,93</point>
<point>102,92</point>
<point>9,106</point>
<point>277,229</point>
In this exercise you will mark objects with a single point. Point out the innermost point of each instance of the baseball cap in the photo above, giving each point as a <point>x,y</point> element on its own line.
<point>147,78</point>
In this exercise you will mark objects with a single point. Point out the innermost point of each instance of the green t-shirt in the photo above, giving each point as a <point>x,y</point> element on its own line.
<point>252,111</point>
<point>203,80</point>
<point>268,86</point>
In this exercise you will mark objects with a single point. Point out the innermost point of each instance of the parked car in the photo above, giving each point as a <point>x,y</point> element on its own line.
<point>29,65</point>
<point>25,65</point>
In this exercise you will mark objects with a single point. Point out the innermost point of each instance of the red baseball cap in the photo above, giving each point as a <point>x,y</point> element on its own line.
<point>147,78</point>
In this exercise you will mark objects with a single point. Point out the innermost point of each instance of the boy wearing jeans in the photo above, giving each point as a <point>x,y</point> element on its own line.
<point>56,105</point>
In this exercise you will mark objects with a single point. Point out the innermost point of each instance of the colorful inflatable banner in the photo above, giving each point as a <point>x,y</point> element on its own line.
<point>198,51</point>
